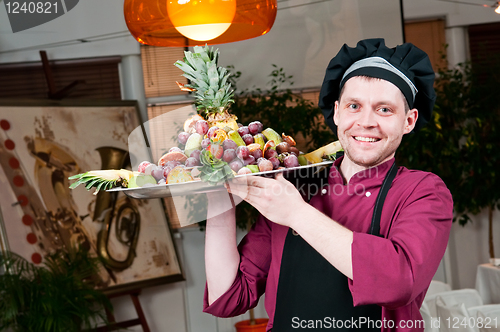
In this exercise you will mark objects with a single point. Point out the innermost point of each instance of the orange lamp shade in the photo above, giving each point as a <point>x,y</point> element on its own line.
<point>181,23</point>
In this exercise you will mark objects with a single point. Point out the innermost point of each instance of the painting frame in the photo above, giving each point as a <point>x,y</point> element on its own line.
<point>43,142</point>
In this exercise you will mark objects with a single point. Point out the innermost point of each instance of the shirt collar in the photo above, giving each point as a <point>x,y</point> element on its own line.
<point>373,173</point>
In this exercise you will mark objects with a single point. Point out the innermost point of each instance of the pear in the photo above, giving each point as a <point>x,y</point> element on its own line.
<point>193,143</point>
<point>140,180</point>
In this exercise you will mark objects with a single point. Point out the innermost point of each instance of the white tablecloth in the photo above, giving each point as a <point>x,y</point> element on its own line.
<point>488,283</point>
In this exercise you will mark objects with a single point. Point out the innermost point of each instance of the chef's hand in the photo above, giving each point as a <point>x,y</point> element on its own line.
<point>276,199</point>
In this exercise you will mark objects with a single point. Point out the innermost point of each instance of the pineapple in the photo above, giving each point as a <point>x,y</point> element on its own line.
<point>102,179</point>
<point>213,91</point>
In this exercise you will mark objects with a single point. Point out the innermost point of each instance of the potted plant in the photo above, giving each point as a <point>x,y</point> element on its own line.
<point>462,141</point>
<point>59,295</point>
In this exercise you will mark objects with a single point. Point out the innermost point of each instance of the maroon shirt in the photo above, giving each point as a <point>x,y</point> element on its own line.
<point>393,272</point>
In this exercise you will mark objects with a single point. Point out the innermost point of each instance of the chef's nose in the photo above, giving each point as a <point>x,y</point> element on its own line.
<point>367,118</point>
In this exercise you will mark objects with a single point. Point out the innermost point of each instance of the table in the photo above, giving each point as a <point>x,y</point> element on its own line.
<point>488,283</point>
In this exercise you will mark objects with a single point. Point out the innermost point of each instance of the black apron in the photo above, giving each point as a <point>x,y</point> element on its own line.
<point>313,295</point>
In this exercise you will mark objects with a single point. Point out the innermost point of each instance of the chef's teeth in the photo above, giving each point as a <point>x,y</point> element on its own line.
<point>365,139</point>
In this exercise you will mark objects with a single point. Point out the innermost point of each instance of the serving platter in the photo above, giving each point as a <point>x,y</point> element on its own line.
<point>200,187</point>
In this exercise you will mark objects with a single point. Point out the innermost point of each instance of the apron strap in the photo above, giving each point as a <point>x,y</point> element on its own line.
<point>379,203</point>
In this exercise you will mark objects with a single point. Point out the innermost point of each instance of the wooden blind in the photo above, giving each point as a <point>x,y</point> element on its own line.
<point>430,37</point>
<point>160,74</point>
<point>484,43</point>
<point>27,80</point>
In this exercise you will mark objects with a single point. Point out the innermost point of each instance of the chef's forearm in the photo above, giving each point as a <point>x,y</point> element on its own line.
<point>221,254</point>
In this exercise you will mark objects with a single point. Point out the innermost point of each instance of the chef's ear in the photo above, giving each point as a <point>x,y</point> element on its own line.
<point>336,113</point>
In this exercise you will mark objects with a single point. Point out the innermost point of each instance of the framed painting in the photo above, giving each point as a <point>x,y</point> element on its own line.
<point>42,143</point>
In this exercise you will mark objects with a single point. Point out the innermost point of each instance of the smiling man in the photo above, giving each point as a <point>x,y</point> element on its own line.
<point>362,252</point>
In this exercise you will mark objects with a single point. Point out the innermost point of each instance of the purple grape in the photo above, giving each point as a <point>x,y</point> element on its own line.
<point>191,162</point>
<point>270,153</point>
<point>236,164</point>
<point>242,152</point>
<point>250,160</point>
<point>229,155</point>
<point>243,131</point>
<point>240,125</point>
<point>229,144</point>
<point>257,153</point>
<point>183,137</point>
<point>195,154</point>
<point>175,149</point>
<point>211,131</point>
<point>173,163</point>
<point>291,161</point>
<point>255,127</point>
<point>157,173</point>
<point>204,143</point>
<point>275,161</point>
<point>166,170</point>
<point>294,150</point>
<point>248,139</point>
<point>265,165</point>
<point>201,127</point>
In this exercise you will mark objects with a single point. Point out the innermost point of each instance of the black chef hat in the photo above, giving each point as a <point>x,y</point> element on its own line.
<point>406,66</point>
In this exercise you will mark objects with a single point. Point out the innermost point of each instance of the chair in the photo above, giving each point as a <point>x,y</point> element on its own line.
<point>428,319</point>
<point>487,317</point>
<point>437,286</point>
<point>468,296</point>
<point>453,316</point>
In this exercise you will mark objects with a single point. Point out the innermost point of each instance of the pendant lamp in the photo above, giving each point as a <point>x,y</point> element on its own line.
<point>180,23</point>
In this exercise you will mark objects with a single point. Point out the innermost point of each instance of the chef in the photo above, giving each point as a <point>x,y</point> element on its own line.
<point>362,252</point>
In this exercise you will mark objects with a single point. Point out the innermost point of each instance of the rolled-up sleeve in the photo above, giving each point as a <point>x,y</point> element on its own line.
<point>250,281</point>
<point>393,271</point>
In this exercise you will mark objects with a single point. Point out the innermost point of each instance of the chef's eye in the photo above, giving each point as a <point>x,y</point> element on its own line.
<point>385,110</point>
<point>353,106</point>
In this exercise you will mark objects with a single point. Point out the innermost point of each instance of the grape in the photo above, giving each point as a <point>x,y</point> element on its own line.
<point>162,181</point>
<point>142,166</point>
<point>270,153</point>
<point>291,161</point>
<point>240,125</point>
<point>294,150</point>
<point>242,152</point>
<point>275,161</point>
<point>243,131</point>
<point>244,170</point>
<point>236,165</point>
<point>183,137</point>
<point>283,147</point>
<point>201,127</point>
<point>211,131</point>
<point>250,160</point>
<point>166,170</point>
<point>195,154</point>
<point>255,127</point>
<point>248,139</point>
<point>191,162</point>
<point>229,155</point>
<point>204,143</point>
<point>173,163</point>
<point>229,144</point>
<point>157,173</point>
<point>265,165</point>
<point>175,149</point>
<point>257,153</point>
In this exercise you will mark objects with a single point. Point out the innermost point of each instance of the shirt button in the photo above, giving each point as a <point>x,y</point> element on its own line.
<point>368,194</point>
<point>323,191</point>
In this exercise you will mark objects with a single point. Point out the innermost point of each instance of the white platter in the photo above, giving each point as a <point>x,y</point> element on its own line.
<point>199,187</point>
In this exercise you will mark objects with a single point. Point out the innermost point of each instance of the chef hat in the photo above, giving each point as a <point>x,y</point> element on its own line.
<point>406,66</point>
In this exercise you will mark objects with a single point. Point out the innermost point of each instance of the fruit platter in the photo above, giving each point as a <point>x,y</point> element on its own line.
<point>212,146</point>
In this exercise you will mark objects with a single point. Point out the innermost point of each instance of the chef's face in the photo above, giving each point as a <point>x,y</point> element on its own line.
<point>371,119</point>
